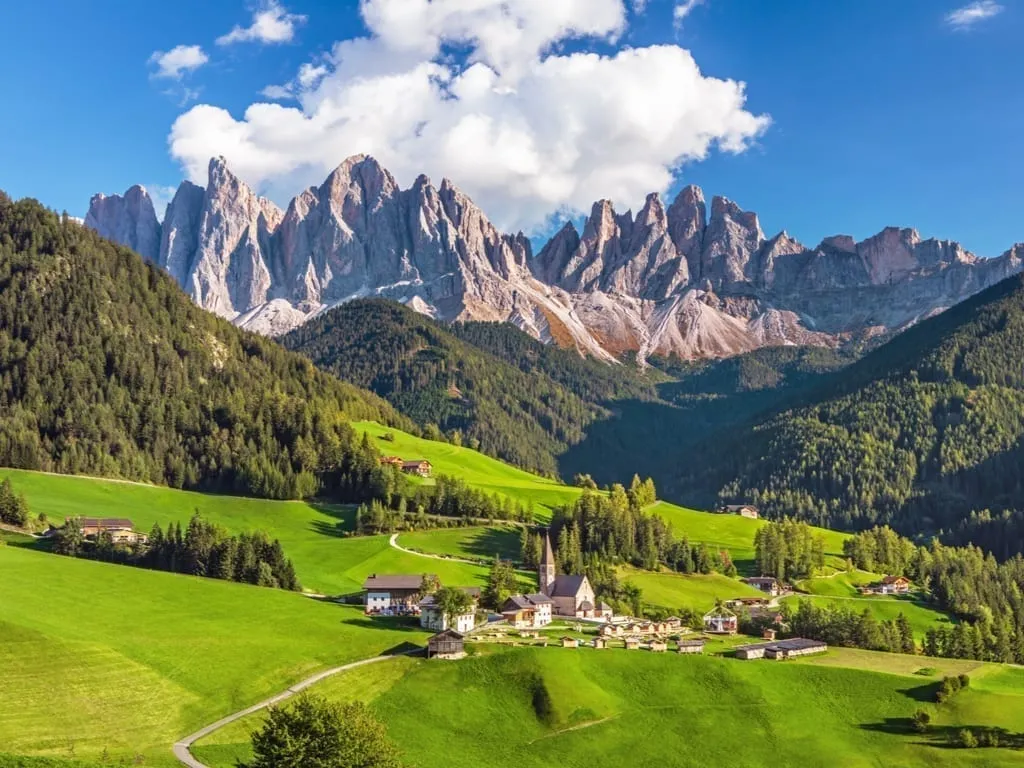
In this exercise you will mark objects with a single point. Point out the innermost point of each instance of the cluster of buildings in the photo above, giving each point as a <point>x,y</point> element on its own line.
<point>780,649</point>
<point>405,594</point>
<point>743,510</point>
<point>420,467</point>
<point>120,529</point>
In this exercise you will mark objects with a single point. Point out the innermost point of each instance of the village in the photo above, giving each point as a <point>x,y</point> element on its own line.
<point>565,612</point>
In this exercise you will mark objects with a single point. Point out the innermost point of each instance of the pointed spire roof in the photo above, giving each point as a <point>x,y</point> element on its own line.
<point>549,556</point>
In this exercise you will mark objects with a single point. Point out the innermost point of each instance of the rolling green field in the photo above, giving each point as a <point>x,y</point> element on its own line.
<point>584,708</point>
<point>674,590</point>
<point>312,534</point>
<point>921,616</point>
<point>96,656</point>
<point>843,584</point>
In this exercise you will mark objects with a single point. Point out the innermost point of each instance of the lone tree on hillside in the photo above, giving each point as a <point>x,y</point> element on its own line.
<point>314,733</point>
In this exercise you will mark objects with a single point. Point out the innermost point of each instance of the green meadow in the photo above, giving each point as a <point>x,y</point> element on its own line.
<point>474,542</point>
<point>921,616</point>
<point>98,657</point>
<point>674,590</point>
<point>583,708</point>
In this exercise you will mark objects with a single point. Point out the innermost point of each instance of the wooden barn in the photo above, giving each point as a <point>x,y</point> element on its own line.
<point>570,642</point>
<point>691,646</point>
<point>446,645</point>
<point>659,646</point>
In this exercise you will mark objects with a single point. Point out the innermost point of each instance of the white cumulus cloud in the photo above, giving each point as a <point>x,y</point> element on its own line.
<point>969,15</point>
<point>684,9</point>
<point>176,62</point>
<point>525,127</point>
<point>270,24</point>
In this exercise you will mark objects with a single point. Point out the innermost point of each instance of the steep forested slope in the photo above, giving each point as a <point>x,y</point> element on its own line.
<point>107,368</point>
<point>505,393</point>
<point>920,433</point>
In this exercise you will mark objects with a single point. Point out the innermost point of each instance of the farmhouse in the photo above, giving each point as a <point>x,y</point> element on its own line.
<point>780,649</point>
<point>527,611</point>
<point>720,621</point>
<point>894,585</point>
<point>393,461</point>
<point>659,646</point>
<point>420,467</point>
<point>432,617</point>
<point>446,645</point>
<point>393,595</point>
<point>570,595</point>
<point>120,530</point>
<point>767,584</point>
<point>743,510</point>
<point>570,642</point>
<point>600,642</point>
<point>691,646</point>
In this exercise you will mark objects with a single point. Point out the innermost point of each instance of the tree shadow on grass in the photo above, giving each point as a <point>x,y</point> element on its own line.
<point>344,516</point>
<point>392,624</point>
<point>487,542</point>
<point>945,736</point>
<point>923,693</point>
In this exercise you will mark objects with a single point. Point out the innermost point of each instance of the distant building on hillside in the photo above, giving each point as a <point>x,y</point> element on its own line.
<point>690,646</point>
<point>448,644</point>
<point>394,461</point>
<point>571,595</point>
<point>393,594</point>
<point>895,585</point>
<point>420,467</point>
<point>120,529</point>
<point>743,510</point>
<point>767,584</point>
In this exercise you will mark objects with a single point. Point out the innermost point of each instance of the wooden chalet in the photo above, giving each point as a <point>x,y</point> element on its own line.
<point>120,529</point>
<point>895,585</point>
<point>393,594</point>
<point>743,510</point>
<point>570,642</point>
<point>767,584</point>
<point>420,467</point>
<point>527,611</point>
<point>446,645</point>
<point>659,646</point>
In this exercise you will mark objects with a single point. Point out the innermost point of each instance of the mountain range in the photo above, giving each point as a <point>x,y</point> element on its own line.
<point>671,280</point>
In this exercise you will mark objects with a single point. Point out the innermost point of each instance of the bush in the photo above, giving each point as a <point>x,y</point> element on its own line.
<point>963,680</point>
<point>921,720</point>
<point>967,739</point>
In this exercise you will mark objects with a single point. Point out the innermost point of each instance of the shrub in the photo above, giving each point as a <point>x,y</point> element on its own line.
<point>921,720</point>
<point>967,738</point>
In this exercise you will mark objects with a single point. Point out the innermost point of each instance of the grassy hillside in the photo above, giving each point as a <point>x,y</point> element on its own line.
<point>575,708</point>
<point>96,656</point>
<point>921,616</point>
<point>311,534</point>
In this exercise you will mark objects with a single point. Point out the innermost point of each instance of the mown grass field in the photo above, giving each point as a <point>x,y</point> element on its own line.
<point>842,584</point>
<point>473,543</point>
<point>584,708</point>
<point>674,590</point>
<point>98,657</point>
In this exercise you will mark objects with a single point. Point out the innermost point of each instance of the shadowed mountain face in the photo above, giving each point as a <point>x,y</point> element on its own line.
<point>670,280</point>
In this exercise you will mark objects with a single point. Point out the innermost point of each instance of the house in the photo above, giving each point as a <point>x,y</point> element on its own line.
<point>690,646</point>
<point>432,617</point>
<point>392,461</point>
<point>673,623</point>
<point>120,530</point>
<point>393,594</point>
<point>747,602</point>
<point>420,467</point>
<point>570,595</point>
<point>446,645</point>
<point>659,646</point>
<point>600,642</point>
<point>632,643</point>
<point>721,621</point>
<point>894,585</point>
<point>767,584</point>
<point>743,510</point>
<point>527,611</point>
<point>780,649</point>
<point>570,642</point>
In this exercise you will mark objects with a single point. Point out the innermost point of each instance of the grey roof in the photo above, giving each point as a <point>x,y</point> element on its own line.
<point>106,523</point>
<point>393,581</point>
<point>447,634</point>
<point>738,507</point>
<point>691,643</point>
<point>792,644</point>
<point>761,580</point>
<point>538,599</point>
<point>567,586</point>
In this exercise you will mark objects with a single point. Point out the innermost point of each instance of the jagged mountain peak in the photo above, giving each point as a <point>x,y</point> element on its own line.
<point>672,279</point>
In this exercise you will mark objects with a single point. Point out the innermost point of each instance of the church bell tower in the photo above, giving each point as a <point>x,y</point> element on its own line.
<point>546,569</point>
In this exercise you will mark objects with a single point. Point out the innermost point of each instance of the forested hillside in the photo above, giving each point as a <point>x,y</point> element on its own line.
<point>107,368</point>
<point>920,433</point>
<point>487,385</point>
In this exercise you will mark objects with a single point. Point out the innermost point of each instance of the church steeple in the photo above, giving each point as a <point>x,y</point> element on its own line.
<point>546,569</point>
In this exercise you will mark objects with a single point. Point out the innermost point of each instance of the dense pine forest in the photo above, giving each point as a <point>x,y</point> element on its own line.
<point>924,434</point>
<point>107,368</point>
<point>488,386</point>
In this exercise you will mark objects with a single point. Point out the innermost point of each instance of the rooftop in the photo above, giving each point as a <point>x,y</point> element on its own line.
<point>792,644</point>
<point>109,523</point>
<point>393,581</point>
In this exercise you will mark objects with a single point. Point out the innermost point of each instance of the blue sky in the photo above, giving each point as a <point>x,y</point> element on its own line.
<point>881,113</point>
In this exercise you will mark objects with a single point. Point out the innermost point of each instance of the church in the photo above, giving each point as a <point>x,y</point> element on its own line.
<point>569,595</point>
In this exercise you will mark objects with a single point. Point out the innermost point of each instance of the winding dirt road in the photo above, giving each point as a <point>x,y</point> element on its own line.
<point>394,543</point>
<point>182,748</point>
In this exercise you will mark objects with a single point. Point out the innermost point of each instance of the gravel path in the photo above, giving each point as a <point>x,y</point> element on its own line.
<point>394,543</point>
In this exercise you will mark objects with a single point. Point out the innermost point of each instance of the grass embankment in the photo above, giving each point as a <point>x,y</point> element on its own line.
<point>96,656</point>
<point>580,708</point>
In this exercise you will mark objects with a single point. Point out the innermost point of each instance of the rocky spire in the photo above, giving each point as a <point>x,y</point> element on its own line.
<point>129,219</point>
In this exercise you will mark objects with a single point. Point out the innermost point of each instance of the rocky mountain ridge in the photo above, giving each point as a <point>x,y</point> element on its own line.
<point>670,280</point>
